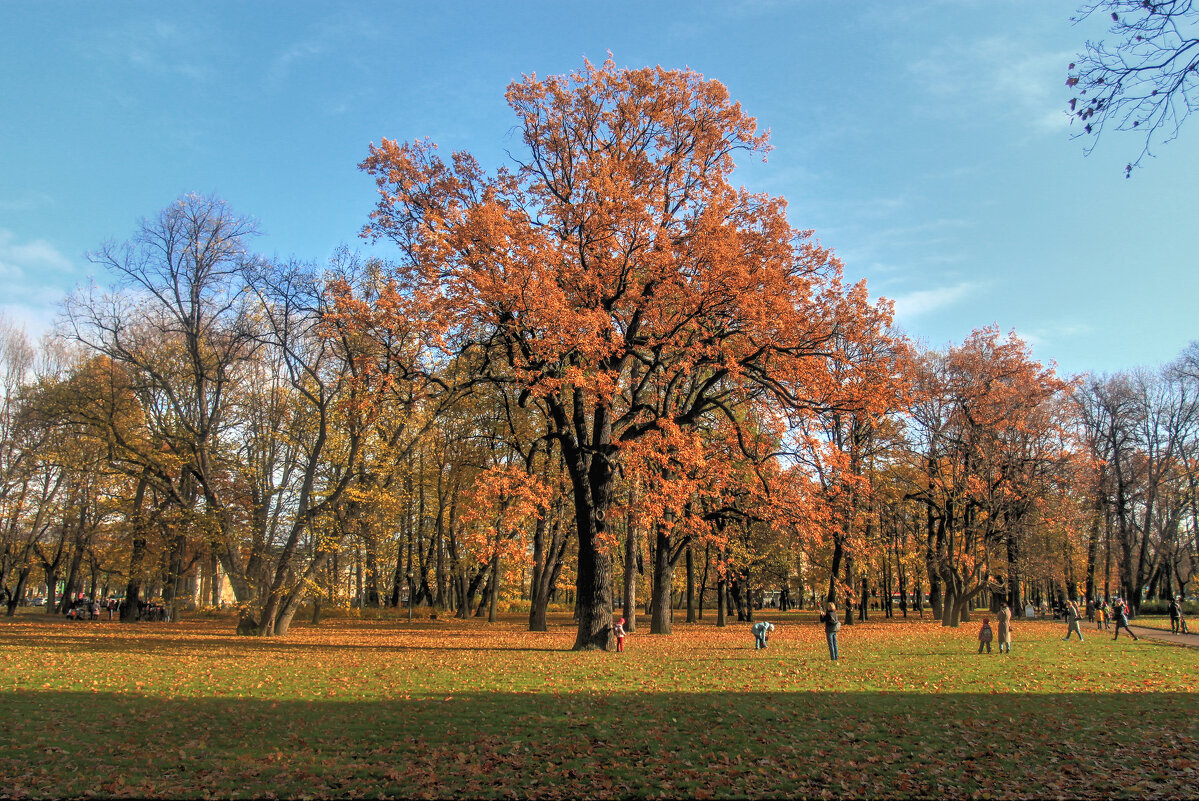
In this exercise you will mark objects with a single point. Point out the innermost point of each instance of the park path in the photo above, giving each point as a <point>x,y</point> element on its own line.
<point>1188,640</point>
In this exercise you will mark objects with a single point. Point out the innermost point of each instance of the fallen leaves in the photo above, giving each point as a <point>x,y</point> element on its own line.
<point>384,708</point>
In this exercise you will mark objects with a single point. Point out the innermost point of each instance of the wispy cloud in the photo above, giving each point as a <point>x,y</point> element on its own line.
<point>296,53</point>
<point>1046,336</point>
<point>33,273</point>
<point>923,301</point>
<point>29,260</point>
<point>996,77</point>
<point>157,47</point>
<point>26,201</point>
<point>346,36</point>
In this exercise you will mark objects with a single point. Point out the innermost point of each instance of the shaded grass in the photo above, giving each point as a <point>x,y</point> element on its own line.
<point>459,708</point>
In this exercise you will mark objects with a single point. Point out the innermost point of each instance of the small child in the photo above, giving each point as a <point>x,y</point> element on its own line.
<point>618,630</point>
<point>761,633</point>
<point>985,635</point>
<point>1099,616</point>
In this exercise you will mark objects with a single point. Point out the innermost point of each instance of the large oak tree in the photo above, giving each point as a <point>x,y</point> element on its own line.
<point>614,277</point>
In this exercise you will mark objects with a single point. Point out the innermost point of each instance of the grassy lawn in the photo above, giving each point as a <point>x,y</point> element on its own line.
<point>448,707</point>
<point>1161,622</point>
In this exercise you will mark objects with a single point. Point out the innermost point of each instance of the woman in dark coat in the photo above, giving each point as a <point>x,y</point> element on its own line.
<point>832,624</point>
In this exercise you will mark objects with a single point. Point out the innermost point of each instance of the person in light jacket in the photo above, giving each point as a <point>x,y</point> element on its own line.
<point>1003,622</point>
<point>832,624</point>
<point>761,632</point>
<point>1072,621</point>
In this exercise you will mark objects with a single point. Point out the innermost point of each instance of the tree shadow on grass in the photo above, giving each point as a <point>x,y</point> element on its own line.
<point>601,745</point>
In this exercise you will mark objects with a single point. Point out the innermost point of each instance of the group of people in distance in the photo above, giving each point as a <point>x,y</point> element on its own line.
<point>1102,612</point>
<point>82,608</point>
<point>829,617</point>
<point>761,631</point>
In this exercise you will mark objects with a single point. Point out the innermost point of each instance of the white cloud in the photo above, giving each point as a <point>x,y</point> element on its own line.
<point>923,301</point>
<point>996,77</point>
<point>296,53</point>
<point>26,201</point>
<point>32,260</point>
<point>1044,336</point>
<point>35,276</point>
<point>346,36</point>
<point>34,320</point>
<point>156,46</point>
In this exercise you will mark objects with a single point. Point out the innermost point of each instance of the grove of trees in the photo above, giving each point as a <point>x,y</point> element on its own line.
<point>602,379</point>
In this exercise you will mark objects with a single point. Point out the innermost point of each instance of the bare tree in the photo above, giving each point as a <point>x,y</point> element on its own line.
<point>177,326</point>
<point>1147,81</point>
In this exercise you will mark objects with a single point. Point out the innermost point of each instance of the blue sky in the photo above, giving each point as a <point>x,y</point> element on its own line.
<point>926,142</point>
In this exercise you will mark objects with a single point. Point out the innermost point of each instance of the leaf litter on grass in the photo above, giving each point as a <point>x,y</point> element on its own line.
<point>464,708</point>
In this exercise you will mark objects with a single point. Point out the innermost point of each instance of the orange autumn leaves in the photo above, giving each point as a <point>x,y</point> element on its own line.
<point>667,327</point>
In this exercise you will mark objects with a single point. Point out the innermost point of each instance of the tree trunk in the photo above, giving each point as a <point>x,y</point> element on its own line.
<point>663,581</point>
<point>592,494</point>
<point>495,588</point>
<point>630,573</point>
<point>14,600</point>
<point>835,569</point>
<point>864,600</point>
<point>849,582</point>
<point>133,586</point>
<point>690,586</point>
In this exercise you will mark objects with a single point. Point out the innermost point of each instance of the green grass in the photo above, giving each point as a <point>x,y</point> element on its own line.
<point>1162,623</point>
<point>460,708</point>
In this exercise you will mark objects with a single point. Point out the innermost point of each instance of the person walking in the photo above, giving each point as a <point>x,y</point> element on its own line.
<point>985,635</point>
<point>1107,615</point>
<point>1175,615</point>
<point>761,633</point>
<point>1003,622</point>
<point>832,624</point>
<point>1121,619</point>
<point>1073,620</point>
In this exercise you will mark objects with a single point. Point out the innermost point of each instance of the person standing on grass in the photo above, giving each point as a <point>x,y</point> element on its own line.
<point>1107,615</point>
<point>619,631</point>
<point>1003,622</point>
<point>1073,621</point>
<point>1099,617</point>
<point>1090,609</point>
<point>1121,618</point>
<point>832,624</point>
<point>985,635</point>
<point>761,633</point>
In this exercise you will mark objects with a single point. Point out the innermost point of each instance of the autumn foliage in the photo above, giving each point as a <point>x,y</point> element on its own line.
<point>618,283</point>
<point>601,370</point>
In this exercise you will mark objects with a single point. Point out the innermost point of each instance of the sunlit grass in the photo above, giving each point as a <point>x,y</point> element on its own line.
<point>451,707</point>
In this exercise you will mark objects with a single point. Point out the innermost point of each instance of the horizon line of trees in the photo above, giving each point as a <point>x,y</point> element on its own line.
<point>604,377</point>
